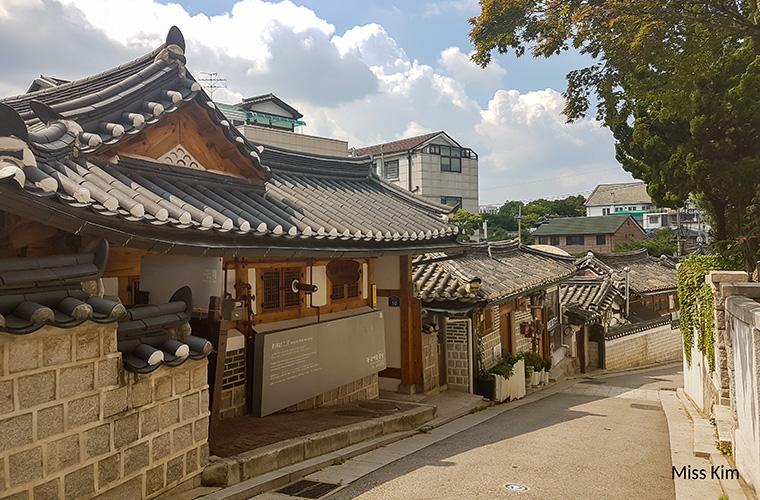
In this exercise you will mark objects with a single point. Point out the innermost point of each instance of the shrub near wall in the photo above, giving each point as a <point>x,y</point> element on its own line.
<point>73,424</point>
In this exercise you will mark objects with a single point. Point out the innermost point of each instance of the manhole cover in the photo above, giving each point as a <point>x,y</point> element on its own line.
<point>595,382</point>
<point>308,489</point>
<point>516,487</point>
<point>379,406</point>
<point>645,407</point>
<point>355,413</point>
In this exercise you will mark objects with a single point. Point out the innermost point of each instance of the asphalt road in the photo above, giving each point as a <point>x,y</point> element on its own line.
<point>605,438</point>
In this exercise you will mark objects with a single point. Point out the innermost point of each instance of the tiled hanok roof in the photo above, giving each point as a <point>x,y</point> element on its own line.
<point>51,171</point>
<point>605,224</point>
<point>396,146</point>
<point>587,298</point>
<point>626,192</point>
<point>505,269</point>
<point>648,275</point>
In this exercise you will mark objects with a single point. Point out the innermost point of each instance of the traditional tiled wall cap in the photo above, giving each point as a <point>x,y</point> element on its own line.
<point>147,335</point>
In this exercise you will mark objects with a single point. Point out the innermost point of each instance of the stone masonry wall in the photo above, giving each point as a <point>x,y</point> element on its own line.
<point>430,361</point>
<point>73,424</point>
<point>656,345</point>
<point>487,343</point>
<point>457,357</point>
<point>359,390</point>
<point>522,343</point>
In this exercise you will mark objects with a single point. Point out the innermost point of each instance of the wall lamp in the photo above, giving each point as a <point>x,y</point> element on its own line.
<point>297,286</point>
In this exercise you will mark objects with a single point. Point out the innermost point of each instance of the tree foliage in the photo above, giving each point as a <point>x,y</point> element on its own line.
<point>660,242</point>
<point>505,222</point>
<point>467,222</point>
<point>676,81</point>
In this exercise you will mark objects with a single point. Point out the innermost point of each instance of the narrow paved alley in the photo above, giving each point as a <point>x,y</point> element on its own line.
<point>601,438</point>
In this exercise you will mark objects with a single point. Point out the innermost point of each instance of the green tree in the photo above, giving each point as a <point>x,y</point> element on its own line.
<point>467,222</point>
<point>676,81</point>
<point>660,242</point>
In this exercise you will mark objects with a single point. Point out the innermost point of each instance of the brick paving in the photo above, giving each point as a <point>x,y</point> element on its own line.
<point>241,434</point>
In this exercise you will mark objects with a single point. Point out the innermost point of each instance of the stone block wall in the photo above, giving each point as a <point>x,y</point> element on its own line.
<point>487,343</point>
<point>430,361</point>
<point>656,345</point>
<point>457,356</point>
<point>358,390</point>
<point>73,424</point>
<point>522,343</point>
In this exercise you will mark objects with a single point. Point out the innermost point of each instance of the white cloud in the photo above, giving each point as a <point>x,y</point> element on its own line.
<point>458,65</point>
<point>360,86</point>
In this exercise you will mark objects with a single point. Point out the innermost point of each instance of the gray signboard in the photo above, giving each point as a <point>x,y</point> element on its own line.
<point>297,364</point>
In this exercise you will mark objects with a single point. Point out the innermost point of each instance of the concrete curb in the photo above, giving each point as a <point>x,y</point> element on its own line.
<point>234,470</point>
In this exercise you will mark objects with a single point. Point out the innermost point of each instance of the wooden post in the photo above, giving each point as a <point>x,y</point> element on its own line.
<point>405,279</point>
<point>416,333</point>
<point>214,330</point>
<point>582,347</point>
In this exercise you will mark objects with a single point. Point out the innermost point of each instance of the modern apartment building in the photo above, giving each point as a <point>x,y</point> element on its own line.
<point>434,166</point>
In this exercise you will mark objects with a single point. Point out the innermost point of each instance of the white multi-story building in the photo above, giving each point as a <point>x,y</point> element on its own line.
<point>433,166</point>
<point>629,197</point>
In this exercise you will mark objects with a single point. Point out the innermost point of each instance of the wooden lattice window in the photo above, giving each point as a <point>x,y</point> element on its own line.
<point>344,292</point>
<point>276,287</point>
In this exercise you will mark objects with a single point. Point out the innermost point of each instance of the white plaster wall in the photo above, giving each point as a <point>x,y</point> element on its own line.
<point>747,435</point>
<point>387,274</point>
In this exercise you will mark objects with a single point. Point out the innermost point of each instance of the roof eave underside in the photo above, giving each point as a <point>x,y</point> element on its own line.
<point>192,242</point>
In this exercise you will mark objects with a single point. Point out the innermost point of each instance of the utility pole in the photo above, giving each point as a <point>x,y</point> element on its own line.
<point>678,230</point>
<point>519,222</point>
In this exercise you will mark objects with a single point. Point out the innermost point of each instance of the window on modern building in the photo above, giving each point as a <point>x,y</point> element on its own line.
<point>574,240</point>
<point>555,241</point>
<point>654,219</point>
<point>390,169</point>
<point>543,240</point>
<point>601,239</point>
<point>276,287</point>
<point>451,159</point>
<point>452,201</point>
<point>605,211</point>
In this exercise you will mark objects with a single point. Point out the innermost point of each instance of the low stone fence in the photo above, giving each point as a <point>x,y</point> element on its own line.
<point>657,344</point>
<point>74,424</point>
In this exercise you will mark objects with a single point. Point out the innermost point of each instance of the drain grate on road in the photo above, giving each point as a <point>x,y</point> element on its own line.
<point>308,489</point>
<point>645,407</point>
<point>669,389</point>
<point>595,382</point>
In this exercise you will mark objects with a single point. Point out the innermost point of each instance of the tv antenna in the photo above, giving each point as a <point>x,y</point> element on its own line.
<point>211,82</point>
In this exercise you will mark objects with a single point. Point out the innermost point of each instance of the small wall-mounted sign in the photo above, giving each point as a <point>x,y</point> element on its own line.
<point>343,272</point>
<point>394,301</point>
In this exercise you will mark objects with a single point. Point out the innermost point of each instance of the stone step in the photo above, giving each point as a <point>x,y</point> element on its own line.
<point>725,423</point>
<point>704,438</point>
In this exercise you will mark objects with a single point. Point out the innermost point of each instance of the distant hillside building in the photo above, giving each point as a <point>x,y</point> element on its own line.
<point>579,234</point>
<point>267,119</point>
<point>628,197</point>
<point>492,209</point>
<point>433,166</point>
